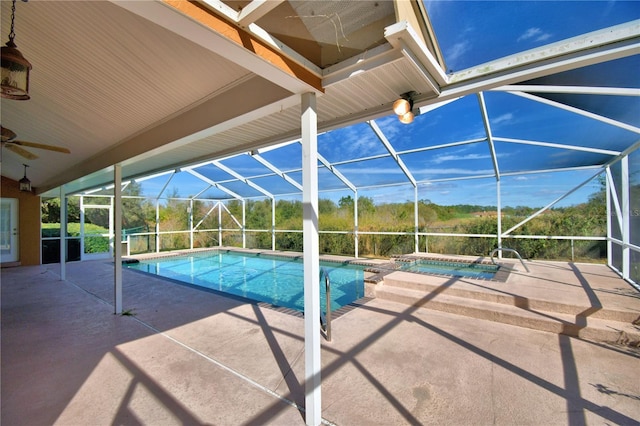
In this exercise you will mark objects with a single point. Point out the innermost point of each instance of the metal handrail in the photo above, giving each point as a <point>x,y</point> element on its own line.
<point>510,250</point>
<point>325,319</point>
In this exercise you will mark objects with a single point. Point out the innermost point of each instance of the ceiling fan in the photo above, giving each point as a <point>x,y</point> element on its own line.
<point>9,141</point>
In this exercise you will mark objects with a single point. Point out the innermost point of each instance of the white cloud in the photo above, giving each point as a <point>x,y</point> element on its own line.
<point>543,37</point>
<point>452,171</point>
<point>534,33</point>
<point>530,33</point>
<point>453,157</point>
<point>457,50</point>
<point>359,141</point>
<point>504,117</point>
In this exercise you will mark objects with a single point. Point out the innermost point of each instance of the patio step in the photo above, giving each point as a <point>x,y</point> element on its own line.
<point>598,324</point>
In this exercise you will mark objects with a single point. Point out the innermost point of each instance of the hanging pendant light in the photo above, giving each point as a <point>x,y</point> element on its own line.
<point>25,184</point>
<point>15,68</point>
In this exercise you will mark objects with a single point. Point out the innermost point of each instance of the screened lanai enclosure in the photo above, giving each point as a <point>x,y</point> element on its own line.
<point>407,193</point>
<point>506,148</point>
<point>360,128</point>
<point>542,186</point>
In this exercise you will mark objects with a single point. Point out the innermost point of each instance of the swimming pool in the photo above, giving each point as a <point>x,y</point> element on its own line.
<point>275,280</point>
<point>457,269</point>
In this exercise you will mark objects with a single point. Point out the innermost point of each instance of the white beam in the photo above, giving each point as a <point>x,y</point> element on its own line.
<point>499,218</point>
<point>157,225</point>
<point>220,205</point>
<point>401,36</point>
<point>588,49</point>
<point>355,223</point>
<point>206,215</point>
<point>577,90</point>
<point>385,142</point>
<point>195,197</point>
<point>224,206</point>
<point>82,227</point>
<point>444,145</point>
<point>256,10</point>
<point>309,127</point>
<point>578,111</point>
<point>539,212</point>
<point>273,224</point>
<point>609,220</point>
<point>626,219</point>
<point>166,184</point>
<point>424,73</point>
<point>191,223</point>
<point>63,233</point>
<point>487,129</point>
<point>169,17</point>
<point>558,145</point>
<point>616,204</point>
<point>117,229</point>
<point>242,178</point>
<point>274,169</point>
<point>337,173</point>
<point>244,223</point>
<point>246,20</point>
<point>213,183</point>
<point>416,223</point>
<point>629,31</point>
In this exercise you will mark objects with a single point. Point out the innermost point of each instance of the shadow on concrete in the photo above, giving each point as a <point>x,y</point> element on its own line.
<point>33,297</point>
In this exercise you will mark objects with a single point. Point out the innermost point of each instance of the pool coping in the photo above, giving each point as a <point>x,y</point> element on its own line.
<point>501,275</point>
<point>374,272</point>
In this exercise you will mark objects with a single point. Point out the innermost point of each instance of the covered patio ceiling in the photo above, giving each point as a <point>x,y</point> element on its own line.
<point>163,86</point>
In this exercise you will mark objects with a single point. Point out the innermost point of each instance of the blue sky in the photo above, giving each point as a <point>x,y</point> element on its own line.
<point>482,31</point>
<point>488,30</point>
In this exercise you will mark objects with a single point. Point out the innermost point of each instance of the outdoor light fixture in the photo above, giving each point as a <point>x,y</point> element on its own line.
<point>25,184</point>
<point>403,108</point>
<point>15,68</point>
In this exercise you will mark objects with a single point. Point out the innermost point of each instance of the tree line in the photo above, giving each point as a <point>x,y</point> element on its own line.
<point>337,218</point>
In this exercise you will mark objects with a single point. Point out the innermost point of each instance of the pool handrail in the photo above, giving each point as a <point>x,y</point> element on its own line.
<point>509,250</point>
<point>325,319</point>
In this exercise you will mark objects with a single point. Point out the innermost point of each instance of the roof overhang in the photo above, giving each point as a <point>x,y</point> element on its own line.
<point>159,85</point>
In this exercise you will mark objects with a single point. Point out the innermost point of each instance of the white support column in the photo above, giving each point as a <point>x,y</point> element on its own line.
<point>191,223</point>
<point>355,221</point>
<point>63,234</point>
<point>416,222</point>
<point>82,217</point>
<point>609,216</point>
<point>499,218</point>
<point>626,222</point>
<point>117,238</point>
<point>273,224</point>
<point>157,225</point>
<point>219,224</point>
<point>111,223</point>
<point>496,168</point>
<point>309,125</point>
<point>244,223</point>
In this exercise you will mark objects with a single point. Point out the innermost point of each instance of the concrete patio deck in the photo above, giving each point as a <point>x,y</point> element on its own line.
<point>192,357</point>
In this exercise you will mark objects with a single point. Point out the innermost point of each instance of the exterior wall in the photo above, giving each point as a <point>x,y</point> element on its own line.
<point>29,221</point>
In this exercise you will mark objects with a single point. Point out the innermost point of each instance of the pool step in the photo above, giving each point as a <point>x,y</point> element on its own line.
<point>591,323</point>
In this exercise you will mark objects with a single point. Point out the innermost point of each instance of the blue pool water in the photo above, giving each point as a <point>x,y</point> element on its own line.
<point>457,269</point>
<point>275,280</point>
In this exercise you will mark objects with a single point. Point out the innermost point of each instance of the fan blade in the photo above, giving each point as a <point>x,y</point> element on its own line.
<point>23,152</point>
<point>7,134</point>
<point>42,146</point>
